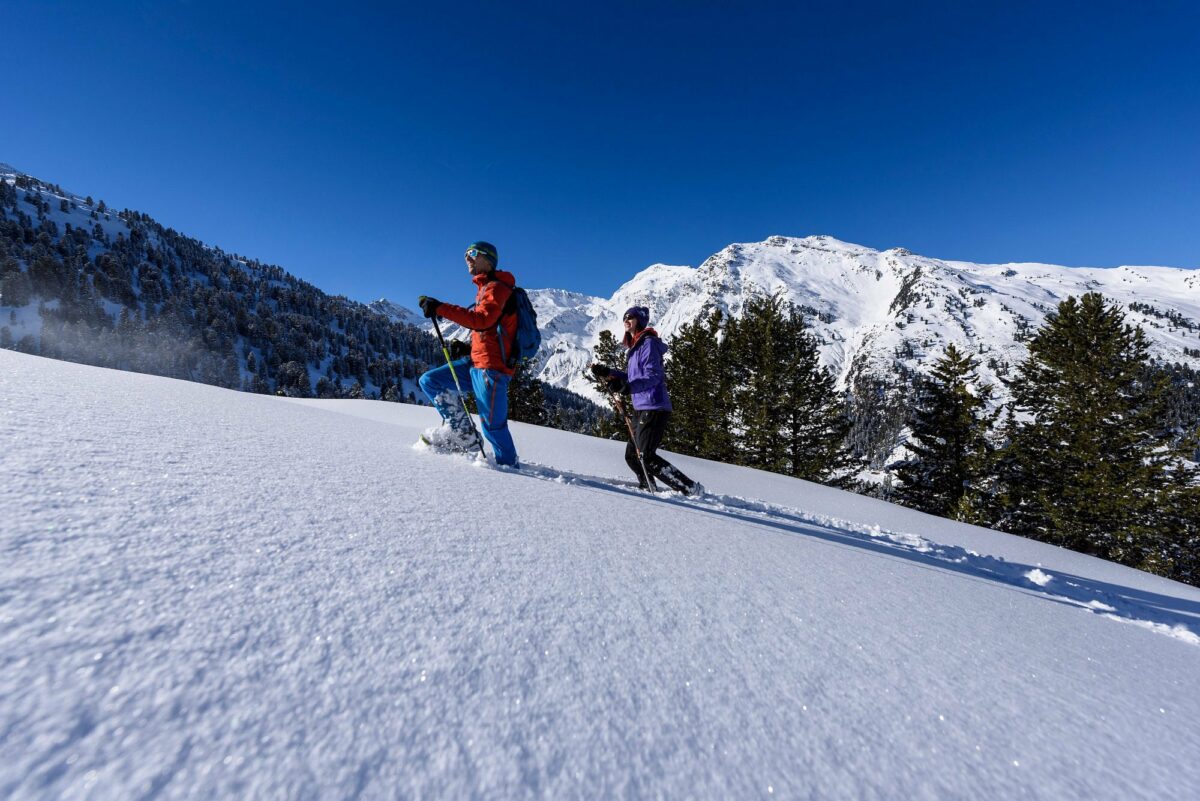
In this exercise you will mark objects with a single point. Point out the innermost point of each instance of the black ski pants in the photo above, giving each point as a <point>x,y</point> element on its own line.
<point>649,425</point>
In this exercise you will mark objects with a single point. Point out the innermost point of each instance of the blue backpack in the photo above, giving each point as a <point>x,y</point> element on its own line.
<point>528,338</point>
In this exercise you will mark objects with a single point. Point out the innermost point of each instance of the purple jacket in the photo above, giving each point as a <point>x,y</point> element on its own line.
<point>644,372</point>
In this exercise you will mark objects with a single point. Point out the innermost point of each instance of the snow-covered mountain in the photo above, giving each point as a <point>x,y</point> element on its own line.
<point>223,595</point>
<point>398,313</point>
<point>873,310</point>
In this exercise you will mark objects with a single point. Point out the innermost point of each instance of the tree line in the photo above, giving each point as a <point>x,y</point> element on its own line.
<point>151,300</point>
<point>1095,452</point>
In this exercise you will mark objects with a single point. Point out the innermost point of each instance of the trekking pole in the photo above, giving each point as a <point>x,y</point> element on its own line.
<point>458,386</point>
<point>620,407</point>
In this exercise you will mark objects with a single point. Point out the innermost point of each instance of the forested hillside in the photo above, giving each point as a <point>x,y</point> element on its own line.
<point>82,282</point>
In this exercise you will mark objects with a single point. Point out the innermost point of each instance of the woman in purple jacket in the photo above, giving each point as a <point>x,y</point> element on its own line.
<point>652,406</point>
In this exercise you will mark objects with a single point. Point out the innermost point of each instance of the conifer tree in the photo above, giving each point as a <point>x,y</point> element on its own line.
<point>15,288</point>
<point>1176,551</point>
<point>699,380</point>
<point>1089,469</point>
<point>814,421</point>
<point>787,417</point>
<point>757,358</point>
<point>949,441</point>
<point>608,351</point>
<point>526,400</point>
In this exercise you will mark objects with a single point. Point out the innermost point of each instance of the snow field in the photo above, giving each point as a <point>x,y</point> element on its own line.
<point>208,594</point>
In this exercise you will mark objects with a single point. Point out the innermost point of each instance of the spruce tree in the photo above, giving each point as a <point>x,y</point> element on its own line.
<point>526,401</point>
<point>757,360</point>
<point>15,288</point>
<point>949,441</point>
<point>608,351</point>
<point>699,380</point>
<point>1088,468</point>
<point>1175,551</point>
<point>814,420</point>
<point>787,416</point>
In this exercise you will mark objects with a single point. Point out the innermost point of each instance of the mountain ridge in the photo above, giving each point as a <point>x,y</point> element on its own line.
<point>874,312</point>
<point>880,315</point>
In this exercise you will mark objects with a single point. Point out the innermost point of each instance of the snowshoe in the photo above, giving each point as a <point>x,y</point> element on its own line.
<point>448,438</point>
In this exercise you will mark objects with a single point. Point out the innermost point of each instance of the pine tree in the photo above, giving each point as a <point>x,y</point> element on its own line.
<point>699,380</point>
<point>949,441</point>
<point>1088,468</point>
<point>15,288</point>
<point>526,400</point>
<point>877,407</point>
<point>757,357</point>
<point>1176,549</point>
<point>787,416</point>
<point>609,353</point>
<point>814,421</point>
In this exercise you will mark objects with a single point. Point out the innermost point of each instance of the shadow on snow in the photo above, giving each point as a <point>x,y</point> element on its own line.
<point>1176,617</point>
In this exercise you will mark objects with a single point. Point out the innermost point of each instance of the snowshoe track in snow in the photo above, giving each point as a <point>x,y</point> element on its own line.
<point>1116,603</point>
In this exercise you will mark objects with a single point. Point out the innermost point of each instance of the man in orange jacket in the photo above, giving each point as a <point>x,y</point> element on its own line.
<point>493,336</point>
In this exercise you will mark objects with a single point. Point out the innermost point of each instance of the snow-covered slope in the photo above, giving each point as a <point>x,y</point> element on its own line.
<point>398,313</point>
<point>872,309</point>
<point>211,594</point>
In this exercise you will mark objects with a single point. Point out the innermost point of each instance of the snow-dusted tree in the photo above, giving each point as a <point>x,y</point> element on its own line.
<point>293,380</point>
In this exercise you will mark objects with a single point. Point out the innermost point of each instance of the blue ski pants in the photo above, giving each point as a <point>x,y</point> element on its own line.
<point>491,397</point>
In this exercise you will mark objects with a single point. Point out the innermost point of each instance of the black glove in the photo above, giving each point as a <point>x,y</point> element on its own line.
<point>429,305</point>
<point>615,382</point>
<point>459,348</point>
<point>600,371</point>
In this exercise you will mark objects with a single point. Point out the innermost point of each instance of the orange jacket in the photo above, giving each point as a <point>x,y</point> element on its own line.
<point>482,318</point>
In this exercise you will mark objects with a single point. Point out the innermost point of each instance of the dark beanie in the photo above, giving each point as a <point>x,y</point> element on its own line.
<point>640,312</point>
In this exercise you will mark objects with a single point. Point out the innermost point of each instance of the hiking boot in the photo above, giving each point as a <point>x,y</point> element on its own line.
<point>448,438</point>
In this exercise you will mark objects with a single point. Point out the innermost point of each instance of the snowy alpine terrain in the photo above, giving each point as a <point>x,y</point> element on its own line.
<point>870,309</point>
<point>874,312</point>
<point>213,594</point>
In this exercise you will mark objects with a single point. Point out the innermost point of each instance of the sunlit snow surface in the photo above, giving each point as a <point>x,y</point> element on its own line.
<point>207,594</point>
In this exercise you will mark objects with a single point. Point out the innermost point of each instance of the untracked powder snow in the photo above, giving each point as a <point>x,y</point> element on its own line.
<point>210,594</point>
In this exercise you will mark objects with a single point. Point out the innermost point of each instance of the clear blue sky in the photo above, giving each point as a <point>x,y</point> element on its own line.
<point>361,146</point>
